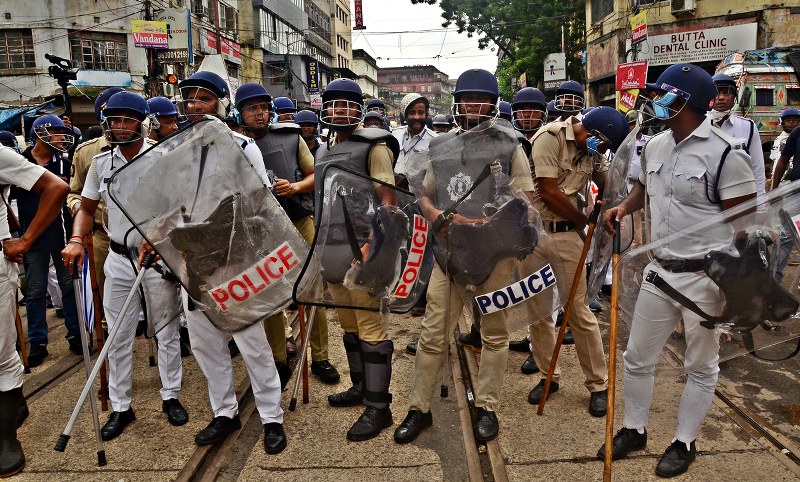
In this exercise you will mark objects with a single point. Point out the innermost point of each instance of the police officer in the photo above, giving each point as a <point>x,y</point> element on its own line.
<point>440,124</point>
<point>284,108</point>
<point>51,140</point>
<point>125,129</point>
<point>163,117</point>
<point>476,96</point>
<point>565,154</point>
<point>790,119</point>
<point>415,135</point>
<point>206,93</point>
<point>529,106</point>
<point>570,99</point>
<point>678,200</point>
<point>553,113</point>
<point>16,170</point>
<point>81,161</point>
<point>309,123</point>
<point>288,158</point>
<point>366,341</point>
<point>745,130</point>
<point>377,105</point>
<point>505,111</point>
<point>9,140</point>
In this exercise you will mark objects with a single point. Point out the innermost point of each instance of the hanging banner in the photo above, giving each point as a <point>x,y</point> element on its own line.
<point>149,34</point>
<point>177,35</point>
<point>631,75</point>
<point>312,77</point>
<point>638,27</point>
<point>359,10</point>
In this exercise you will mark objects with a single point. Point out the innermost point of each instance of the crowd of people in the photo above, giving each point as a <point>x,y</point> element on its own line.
<point>550,154</point>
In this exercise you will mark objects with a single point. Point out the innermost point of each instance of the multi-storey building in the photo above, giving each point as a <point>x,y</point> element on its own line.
<point>365,67</point>
<point>697,31</point>
<point>427,80</point>
<point>341,34</point>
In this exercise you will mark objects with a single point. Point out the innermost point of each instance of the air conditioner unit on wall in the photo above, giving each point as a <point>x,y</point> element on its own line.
<point>199,9</point>
<point>682,6</point>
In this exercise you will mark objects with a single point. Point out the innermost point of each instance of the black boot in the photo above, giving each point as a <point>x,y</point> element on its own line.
<point>12,460</point>
<point>354,395</point>
<point>377,416</point>
<point>472,339</point>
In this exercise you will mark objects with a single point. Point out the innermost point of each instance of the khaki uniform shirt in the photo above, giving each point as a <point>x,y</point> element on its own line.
<point>81,161</point>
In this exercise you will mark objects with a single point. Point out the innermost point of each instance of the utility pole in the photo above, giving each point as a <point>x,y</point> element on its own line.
<point>151,87</point>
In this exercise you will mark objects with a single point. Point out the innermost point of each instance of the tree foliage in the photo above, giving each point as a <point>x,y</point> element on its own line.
<point>525,31</point>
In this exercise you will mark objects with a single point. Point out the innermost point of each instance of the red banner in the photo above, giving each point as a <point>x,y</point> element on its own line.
<point>359,15</point>
<point>632,75</point>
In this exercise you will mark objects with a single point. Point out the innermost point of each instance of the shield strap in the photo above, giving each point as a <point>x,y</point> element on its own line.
<point>348,225</point>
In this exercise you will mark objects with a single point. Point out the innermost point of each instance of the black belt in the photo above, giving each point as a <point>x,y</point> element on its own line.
<point>118,248</point>
<point>561,226</point>
<point>681,266</point>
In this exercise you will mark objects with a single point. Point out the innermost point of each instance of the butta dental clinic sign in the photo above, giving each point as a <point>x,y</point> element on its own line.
<point>700,45</point>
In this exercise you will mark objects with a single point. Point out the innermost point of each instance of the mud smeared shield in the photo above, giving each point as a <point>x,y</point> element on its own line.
<point>740,286</point>
<point>487,225</point>
<point>382,250</point>
<point>614,192</point>
<point>197,199</point>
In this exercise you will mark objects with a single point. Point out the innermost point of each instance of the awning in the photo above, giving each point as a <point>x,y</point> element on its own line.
<point>9,118</point>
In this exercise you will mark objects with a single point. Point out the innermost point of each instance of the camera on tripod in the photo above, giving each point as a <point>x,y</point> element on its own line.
<point>61,70</point>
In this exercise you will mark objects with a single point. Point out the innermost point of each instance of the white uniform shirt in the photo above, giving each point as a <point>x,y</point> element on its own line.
<point>253,153</point>
<point>16,170</point>
<point>410,145</point>
<point>635,168</point>
<point>739,128</point>
<point>777,146</point>
<point>676,176</point>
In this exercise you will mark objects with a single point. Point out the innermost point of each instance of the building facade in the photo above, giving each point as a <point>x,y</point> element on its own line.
<point>697,31</point>
<point>426,80</point>
<point>366,69</point>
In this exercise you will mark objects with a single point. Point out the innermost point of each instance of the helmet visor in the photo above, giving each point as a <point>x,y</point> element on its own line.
<point>59,138</point>
<point>528,119</point>
<point>124,129</point>
<point>569,103</point>
<point>196,102</point>
<point>341,113</point>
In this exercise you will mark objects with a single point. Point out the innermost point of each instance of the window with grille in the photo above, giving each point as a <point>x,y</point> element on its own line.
<point>764,97</point>
<point>16,50</point>
<point>601,8</point>
<point>99,50</point>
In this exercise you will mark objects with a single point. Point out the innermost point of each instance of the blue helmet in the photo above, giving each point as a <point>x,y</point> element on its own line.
<point>48,125</point>
<point>477,81</point>
<point>689,82</point>
<point>376,104</point>
<point>283,105</point>
<point>162,107</point>
<point>570,97</point>
<point>342,89</point>
<point>440,120</point>
<point>790,112</point>
<point>8,139</point>
<point>101,100</point>
<point>722,80</point>
<point>306,117</point>
<point>552,109</point>
<point>209,81</point>
<point>505,109</point>
<point>252,90</point>
<point>123,104</point>
<point>608,123</point>
<point>529,95</point>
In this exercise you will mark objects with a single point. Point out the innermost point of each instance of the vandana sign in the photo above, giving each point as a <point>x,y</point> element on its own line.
<point>150,34</point>
<point>702,45</point>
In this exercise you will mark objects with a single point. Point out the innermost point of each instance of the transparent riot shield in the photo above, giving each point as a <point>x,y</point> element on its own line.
<point>614,191</point>
<point>380,249</point>
<point>487,226</point>
<point>199,202</point>
<point>737,285</point>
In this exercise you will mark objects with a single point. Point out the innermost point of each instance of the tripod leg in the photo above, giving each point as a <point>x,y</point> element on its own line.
<point>21,334</point>
<point>305,335</point>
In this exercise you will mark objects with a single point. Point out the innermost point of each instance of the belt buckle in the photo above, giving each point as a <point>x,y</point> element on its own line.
<point>651,276</point>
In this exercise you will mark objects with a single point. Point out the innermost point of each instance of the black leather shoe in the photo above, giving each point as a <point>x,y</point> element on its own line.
<point>60,313</point>
<point>536,393</point>
<point>676,459</point>
<point>598,403</point>
<point>274,438</point>
<point>568,340</point>
<point>219,428</point>
<point>349,398</point>
<point>486,425</point>
<point>370,424</point>
<point>75,345</point>
<point>22,413</point>
<point>529,366</point>
<point>176,414</point>
<point>417,311</point>
<point>117,422</point>
<point>284,373</point>
<point>291,347</point>
<point>411,348</point>
<point>414,423</point>
<point>523,345</point>
<point>471,340</point>
<point>37,355</point>
<point>325,372</point>
<point>625,441</point>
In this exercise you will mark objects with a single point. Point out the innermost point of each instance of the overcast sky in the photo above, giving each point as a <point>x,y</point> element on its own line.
<point>422,41</point>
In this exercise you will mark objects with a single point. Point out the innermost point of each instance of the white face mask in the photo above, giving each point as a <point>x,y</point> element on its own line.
<point>717,115</point>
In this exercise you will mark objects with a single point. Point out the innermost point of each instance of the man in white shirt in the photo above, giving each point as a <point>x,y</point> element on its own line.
<point>415,135</point>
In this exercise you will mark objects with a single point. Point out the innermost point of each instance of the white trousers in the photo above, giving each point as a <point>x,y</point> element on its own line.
<point>120,276</point>
<point>210,349</point>
<point>655,317</point>
<point>10,363</point>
